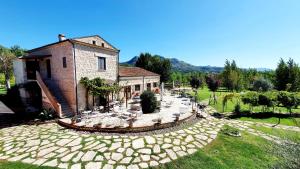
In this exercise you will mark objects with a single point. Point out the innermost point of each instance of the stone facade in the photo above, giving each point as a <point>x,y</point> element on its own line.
<point>87,66</point>
<point>142,81</point>
<point>95,39</point>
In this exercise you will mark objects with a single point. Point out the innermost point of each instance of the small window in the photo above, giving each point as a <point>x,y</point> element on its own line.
<point>154,84</point>
<point>149,86</point>
<point>64,62</point>
<point>94,42</point>
<point>102,44</point>
<point>137,87</point>
<point>101,63</point>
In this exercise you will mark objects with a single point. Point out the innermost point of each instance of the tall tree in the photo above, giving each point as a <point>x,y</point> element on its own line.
<point>156,64</point>
<point>6,64</point>
<point>287,76</point>
<point>293,75</point>
<point>144,61</point>
<point>195,83</point>
<point>231,76</point>
<point>213,83</point>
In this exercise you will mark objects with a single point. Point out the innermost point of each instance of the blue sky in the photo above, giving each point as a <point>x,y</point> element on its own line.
<point>256,33</point>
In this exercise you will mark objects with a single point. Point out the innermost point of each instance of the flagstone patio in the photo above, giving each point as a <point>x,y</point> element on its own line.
<point>55,146</point>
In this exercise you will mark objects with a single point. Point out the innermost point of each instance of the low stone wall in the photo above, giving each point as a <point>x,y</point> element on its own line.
<point>127,129</point>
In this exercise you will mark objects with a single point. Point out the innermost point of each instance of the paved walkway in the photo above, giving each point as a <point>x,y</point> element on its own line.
<point>5,115</point>
<point>52,145</point>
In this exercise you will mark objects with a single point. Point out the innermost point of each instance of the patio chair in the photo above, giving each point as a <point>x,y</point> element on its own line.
<point>176,116</point>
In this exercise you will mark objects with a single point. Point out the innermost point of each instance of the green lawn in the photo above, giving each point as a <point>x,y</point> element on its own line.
<point>290,121</point>
<point>284,134</point>
<point>227,152</point>
<point>18,165</point>
<point>205,94</point>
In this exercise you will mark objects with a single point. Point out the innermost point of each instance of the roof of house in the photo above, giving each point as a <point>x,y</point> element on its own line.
<point>74,41</point>
<point>134,72</point>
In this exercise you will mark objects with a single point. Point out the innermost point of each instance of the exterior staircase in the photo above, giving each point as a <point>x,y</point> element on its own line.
<point>66,110</point>
<point>54,94</point>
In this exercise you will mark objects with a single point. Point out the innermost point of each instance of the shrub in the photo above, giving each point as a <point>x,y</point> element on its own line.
<point>237,109</point>
<point>250,98</point>
<point>231,131</point>
<point>46,114</point>
<point>288,100</point>
<point>262,84</point>
<point>148,102</point>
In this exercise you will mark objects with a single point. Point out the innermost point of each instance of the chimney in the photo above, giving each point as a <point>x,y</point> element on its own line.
<point>61,37</point>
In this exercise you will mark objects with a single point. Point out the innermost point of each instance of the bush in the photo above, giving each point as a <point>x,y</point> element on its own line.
<point>46,114</point>
<point>237,109</point>
<point>288,100</point>
<point>148,102</point>
<point>231,131</point>
<point>262,84</point>
<point>250,98</point>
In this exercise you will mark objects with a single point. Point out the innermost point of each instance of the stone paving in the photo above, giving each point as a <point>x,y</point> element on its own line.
<point>52,145</point>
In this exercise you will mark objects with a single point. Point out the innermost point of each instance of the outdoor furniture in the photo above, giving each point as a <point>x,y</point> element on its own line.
<point>176,115</point>
<point>135,107</point>
<point>183,109</point>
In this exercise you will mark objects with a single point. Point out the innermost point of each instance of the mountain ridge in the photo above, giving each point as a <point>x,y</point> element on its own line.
<point>182,66</point>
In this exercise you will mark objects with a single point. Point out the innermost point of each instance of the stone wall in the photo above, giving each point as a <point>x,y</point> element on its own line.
<point>98,40</point>
<point>142,81</point>
<point>87,66</point>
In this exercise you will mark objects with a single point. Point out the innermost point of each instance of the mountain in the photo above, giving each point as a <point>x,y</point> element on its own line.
<point>179,65</point>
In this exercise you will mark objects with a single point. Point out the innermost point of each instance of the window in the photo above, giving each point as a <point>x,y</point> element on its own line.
<point>101,63</point>
<point>154,84</point>
<point>94,42</point>
<point>149,86</point>
<point>64,62</point>
<point>137,87</point>
<point>102,44</point>
<point>48,65</point>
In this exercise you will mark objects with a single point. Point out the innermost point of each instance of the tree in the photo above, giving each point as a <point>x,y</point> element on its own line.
<point>231,76</point>
<point>17,50</point>
<point>213,84</point>
<point>156,64</point>
<point>195,83</point>
<point>288,100</point>
<point>86,83</point>
<point>250,98</point>
<point>144,61</point>
<point>287,76</point>
<point>293,75</point>
<point>6,64</point>
<point>262,84</point>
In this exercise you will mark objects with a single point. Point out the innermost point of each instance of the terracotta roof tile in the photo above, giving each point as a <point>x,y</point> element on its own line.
<point>134,72</point>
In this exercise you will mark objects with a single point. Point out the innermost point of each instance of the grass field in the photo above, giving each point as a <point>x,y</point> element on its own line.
<point>284,134</point>
<point>290,121</point>
<point>2,83</point>
<point>227,152</point>
<point>204,94</point>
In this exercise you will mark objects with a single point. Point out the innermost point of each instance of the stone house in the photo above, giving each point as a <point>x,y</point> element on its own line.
<point>135,80</point>
<point>58,68</point>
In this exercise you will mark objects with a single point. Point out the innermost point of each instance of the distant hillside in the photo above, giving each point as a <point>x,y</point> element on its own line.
<point>179,65</point>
